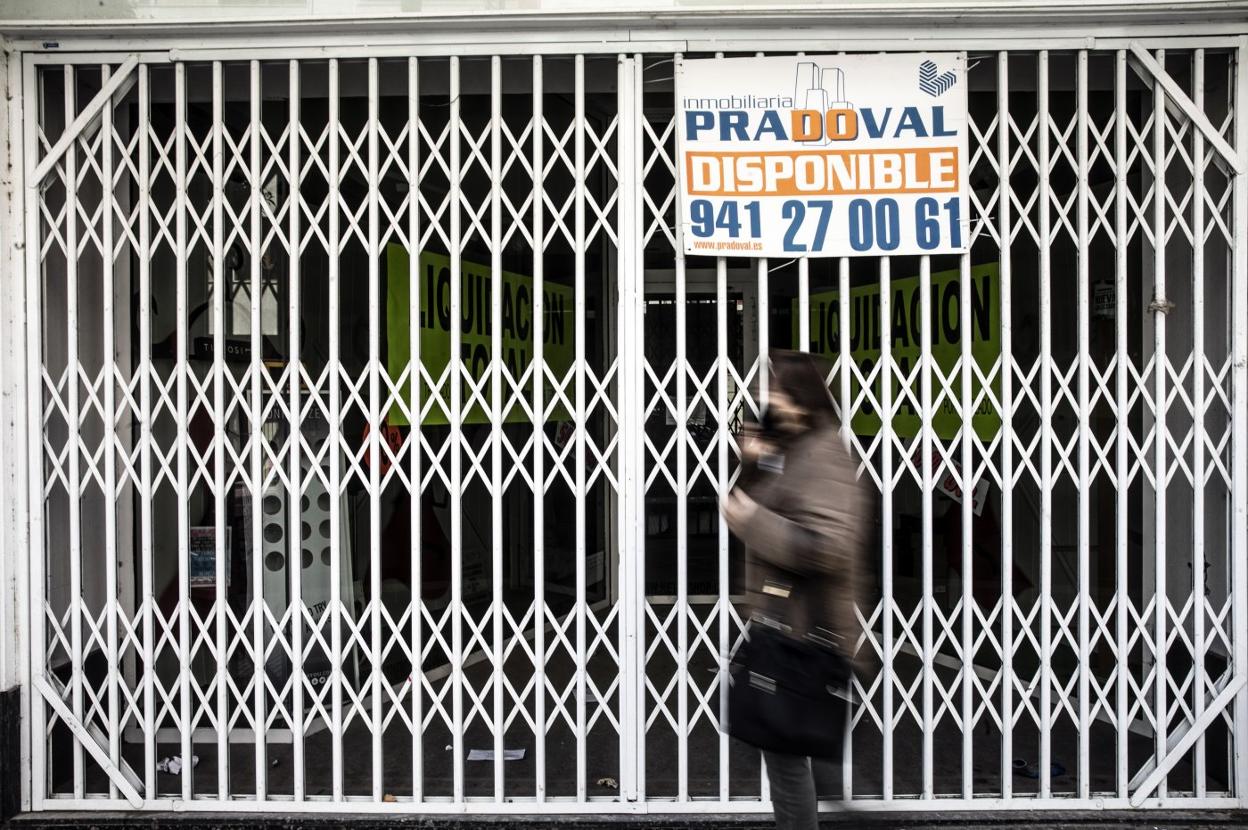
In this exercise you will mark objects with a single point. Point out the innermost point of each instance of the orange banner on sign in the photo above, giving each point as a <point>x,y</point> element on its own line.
<point>823,172</point>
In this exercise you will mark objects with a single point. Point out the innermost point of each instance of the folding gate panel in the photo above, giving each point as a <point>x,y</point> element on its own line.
<point>247,275</point>
<point>1048,420</point>
<point>247,280</point>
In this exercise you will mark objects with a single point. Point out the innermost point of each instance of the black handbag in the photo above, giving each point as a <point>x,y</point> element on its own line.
<point>788,695</point>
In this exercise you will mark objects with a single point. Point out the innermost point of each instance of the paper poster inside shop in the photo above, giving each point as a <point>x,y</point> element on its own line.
<point>866,332</point>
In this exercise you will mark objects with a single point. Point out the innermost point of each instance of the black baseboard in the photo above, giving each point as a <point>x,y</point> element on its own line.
<point>1016,820</point>
<point>11,771</point>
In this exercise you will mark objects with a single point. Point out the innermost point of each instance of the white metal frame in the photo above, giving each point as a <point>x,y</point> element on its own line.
<point>1176,137</point>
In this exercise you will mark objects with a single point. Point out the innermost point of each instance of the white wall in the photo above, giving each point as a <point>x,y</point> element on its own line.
<point>13,542</point>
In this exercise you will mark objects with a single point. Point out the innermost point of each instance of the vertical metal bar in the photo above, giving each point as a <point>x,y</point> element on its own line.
<point>338,611</point>
<point>73,427</point>
<point>803,304</point>
<point>455,367</point>
<point>184,617</point>
<point>219,290</point>
<point>416,423</point>
<point>636,789</point>
<point>721,450</point>
<point>37,608</point>
<point>110,433</point>
<point>539,434</point>
<point>925,444</point>
<point>1122,476</point>
<point>294,557</point>
<point>145,435</point>
<point>374,436</point>
<point>1005,233</point>
<point>721,472</point>
<point>1046,433</point>
<point>682,522</point>
<point>847,365</point>
<point>625,403</point>
<point>968,481</point>
<point>764,332</point>
<point>582,663</point>
<point>886,517</point>
<point>764,380</point>
<point>1085,426</point>
<point>32,88</point>
<point>256,421</point>
<point>1239,415</point>
<point>847,358</point>
<point>496,413</point>
<point>1161,606</point>
<point>1198,421</point>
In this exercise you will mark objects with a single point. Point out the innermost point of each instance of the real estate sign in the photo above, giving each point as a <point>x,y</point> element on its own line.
<point>823,155</point>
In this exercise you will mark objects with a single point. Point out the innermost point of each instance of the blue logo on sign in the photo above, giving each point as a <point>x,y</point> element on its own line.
<point>932,83</point>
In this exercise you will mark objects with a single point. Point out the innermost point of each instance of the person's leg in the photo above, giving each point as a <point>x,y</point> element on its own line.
<point>792,791</point>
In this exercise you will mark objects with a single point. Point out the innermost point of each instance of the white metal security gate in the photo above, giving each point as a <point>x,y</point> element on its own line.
<point>214,250</point>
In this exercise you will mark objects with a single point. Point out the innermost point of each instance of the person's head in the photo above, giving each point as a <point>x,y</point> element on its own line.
<point>798,397</point>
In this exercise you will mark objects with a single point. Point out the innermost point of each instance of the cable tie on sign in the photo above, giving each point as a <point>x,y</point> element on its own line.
<point>1161,304</point>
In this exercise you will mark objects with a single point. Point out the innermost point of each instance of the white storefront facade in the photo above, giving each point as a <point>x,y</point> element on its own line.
<point>255,515</point>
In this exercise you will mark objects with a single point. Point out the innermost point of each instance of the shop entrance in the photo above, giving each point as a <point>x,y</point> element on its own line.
<point>383,429</point>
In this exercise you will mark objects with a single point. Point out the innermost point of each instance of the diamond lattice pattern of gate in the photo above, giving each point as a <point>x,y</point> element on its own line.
<point>260,587</point>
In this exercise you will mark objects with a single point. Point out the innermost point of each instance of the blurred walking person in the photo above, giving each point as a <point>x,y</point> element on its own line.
<point>805,520</point>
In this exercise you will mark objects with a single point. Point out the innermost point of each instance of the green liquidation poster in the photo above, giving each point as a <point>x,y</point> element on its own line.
<point>906,340</point>
<point>518,310</point>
